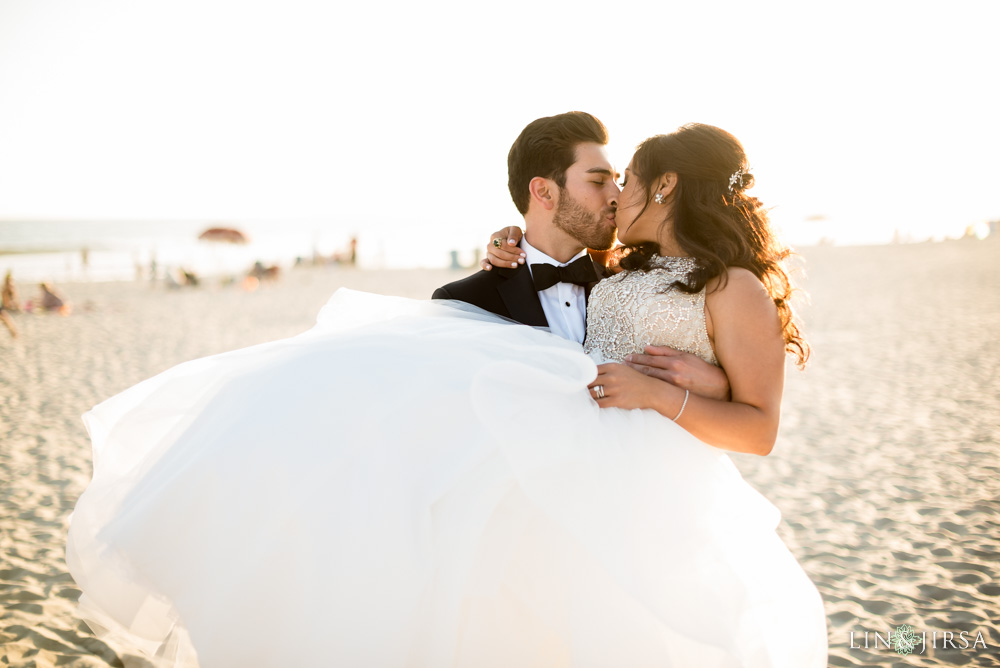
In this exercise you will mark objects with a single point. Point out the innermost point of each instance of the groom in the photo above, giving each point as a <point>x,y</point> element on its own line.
<point>563,183</point>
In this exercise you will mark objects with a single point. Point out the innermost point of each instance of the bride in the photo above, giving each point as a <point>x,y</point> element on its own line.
<point>355,496</point>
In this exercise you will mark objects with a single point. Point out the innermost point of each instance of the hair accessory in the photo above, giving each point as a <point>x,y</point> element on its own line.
<point>659,198</point>
<point>687,393</point>
<point>736,180</point>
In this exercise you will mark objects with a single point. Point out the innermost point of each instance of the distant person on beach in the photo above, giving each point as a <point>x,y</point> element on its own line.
<point>350,256</point>
<point>51,301</point>
<point>7,321</point>
<point>180,278</point>
<point>264,273</point>
<point>11,301</point>
<point>190,278</point>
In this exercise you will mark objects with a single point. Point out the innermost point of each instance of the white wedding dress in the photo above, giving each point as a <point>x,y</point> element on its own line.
<point>414,484</point>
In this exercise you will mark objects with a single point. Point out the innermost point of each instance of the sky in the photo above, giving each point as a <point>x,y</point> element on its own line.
<point>860,119</point>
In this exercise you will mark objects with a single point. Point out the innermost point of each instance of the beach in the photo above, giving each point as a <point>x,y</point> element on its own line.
<point>887,467</point>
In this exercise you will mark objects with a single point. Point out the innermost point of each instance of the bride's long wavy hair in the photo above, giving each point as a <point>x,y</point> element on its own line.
<point>718,225</point>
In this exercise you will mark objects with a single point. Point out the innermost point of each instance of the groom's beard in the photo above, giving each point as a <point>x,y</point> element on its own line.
<point>589,228</point>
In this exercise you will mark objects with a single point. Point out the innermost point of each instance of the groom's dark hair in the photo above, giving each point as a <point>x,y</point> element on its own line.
<point>546,148</point>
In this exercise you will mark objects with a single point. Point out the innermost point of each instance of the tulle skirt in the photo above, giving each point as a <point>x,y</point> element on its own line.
<point>419,484</point>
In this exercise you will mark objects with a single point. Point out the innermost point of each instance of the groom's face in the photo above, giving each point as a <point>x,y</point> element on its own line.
<point>587,203</point>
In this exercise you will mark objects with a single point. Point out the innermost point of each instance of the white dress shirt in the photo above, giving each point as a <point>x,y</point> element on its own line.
<point>564,304</point>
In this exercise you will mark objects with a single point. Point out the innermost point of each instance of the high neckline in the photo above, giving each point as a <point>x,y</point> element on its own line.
<point>686,263</point>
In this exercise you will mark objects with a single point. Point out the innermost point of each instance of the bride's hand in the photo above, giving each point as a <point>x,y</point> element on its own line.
<point>507,254</point>
<point>624,387</point>
<point>686,371</point>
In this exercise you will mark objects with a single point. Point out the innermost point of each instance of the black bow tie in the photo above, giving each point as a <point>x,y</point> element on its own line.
<point>580,271</point>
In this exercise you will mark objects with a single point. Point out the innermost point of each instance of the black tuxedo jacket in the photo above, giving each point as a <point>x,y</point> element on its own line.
<point>506,292</point>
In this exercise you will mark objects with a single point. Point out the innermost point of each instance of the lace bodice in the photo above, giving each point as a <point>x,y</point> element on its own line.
<point>634,309</point>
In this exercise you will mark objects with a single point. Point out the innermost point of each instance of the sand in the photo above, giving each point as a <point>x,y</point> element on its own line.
<point>887,468</point>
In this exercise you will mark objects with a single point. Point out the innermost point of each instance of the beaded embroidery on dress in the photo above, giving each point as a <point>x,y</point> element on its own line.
<point>634,309</point>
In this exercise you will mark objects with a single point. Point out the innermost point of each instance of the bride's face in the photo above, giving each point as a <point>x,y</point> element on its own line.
<point>636,225</point>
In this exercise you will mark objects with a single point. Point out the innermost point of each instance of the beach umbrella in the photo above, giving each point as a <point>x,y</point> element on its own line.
<point>230,250</point>
<point>224,234</point>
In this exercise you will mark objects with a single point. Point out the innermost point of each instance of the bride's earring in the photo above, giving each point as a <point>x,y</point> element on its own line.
<point>659,198</point>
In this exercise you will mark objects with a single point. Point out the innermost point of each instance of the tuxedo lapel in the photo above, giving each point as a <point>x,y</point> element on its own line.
<point>520,297</point>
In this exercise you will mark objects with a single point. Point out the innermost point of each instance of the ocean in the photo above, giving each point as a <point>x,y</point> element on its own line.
<point>124,250</point>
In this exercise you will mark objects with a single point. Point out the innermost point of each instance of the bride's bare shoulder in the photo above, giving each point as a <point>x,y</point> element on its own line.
<point>741,291</point>
<point>738,282</point>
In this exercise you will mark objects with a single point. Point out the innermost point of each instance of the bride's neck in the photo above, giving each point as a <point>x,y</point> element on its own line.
<point>671,250</point>
<point>667,246</point>
<point>665,240</point>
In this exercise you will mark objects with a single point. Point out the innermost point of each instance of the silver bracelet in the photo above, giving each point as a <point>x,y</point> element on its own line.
<point>687,393</point>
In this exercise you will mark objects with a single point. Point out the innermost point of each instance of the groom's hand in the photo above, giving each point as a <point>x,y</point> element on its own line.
<point>686,371</point>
